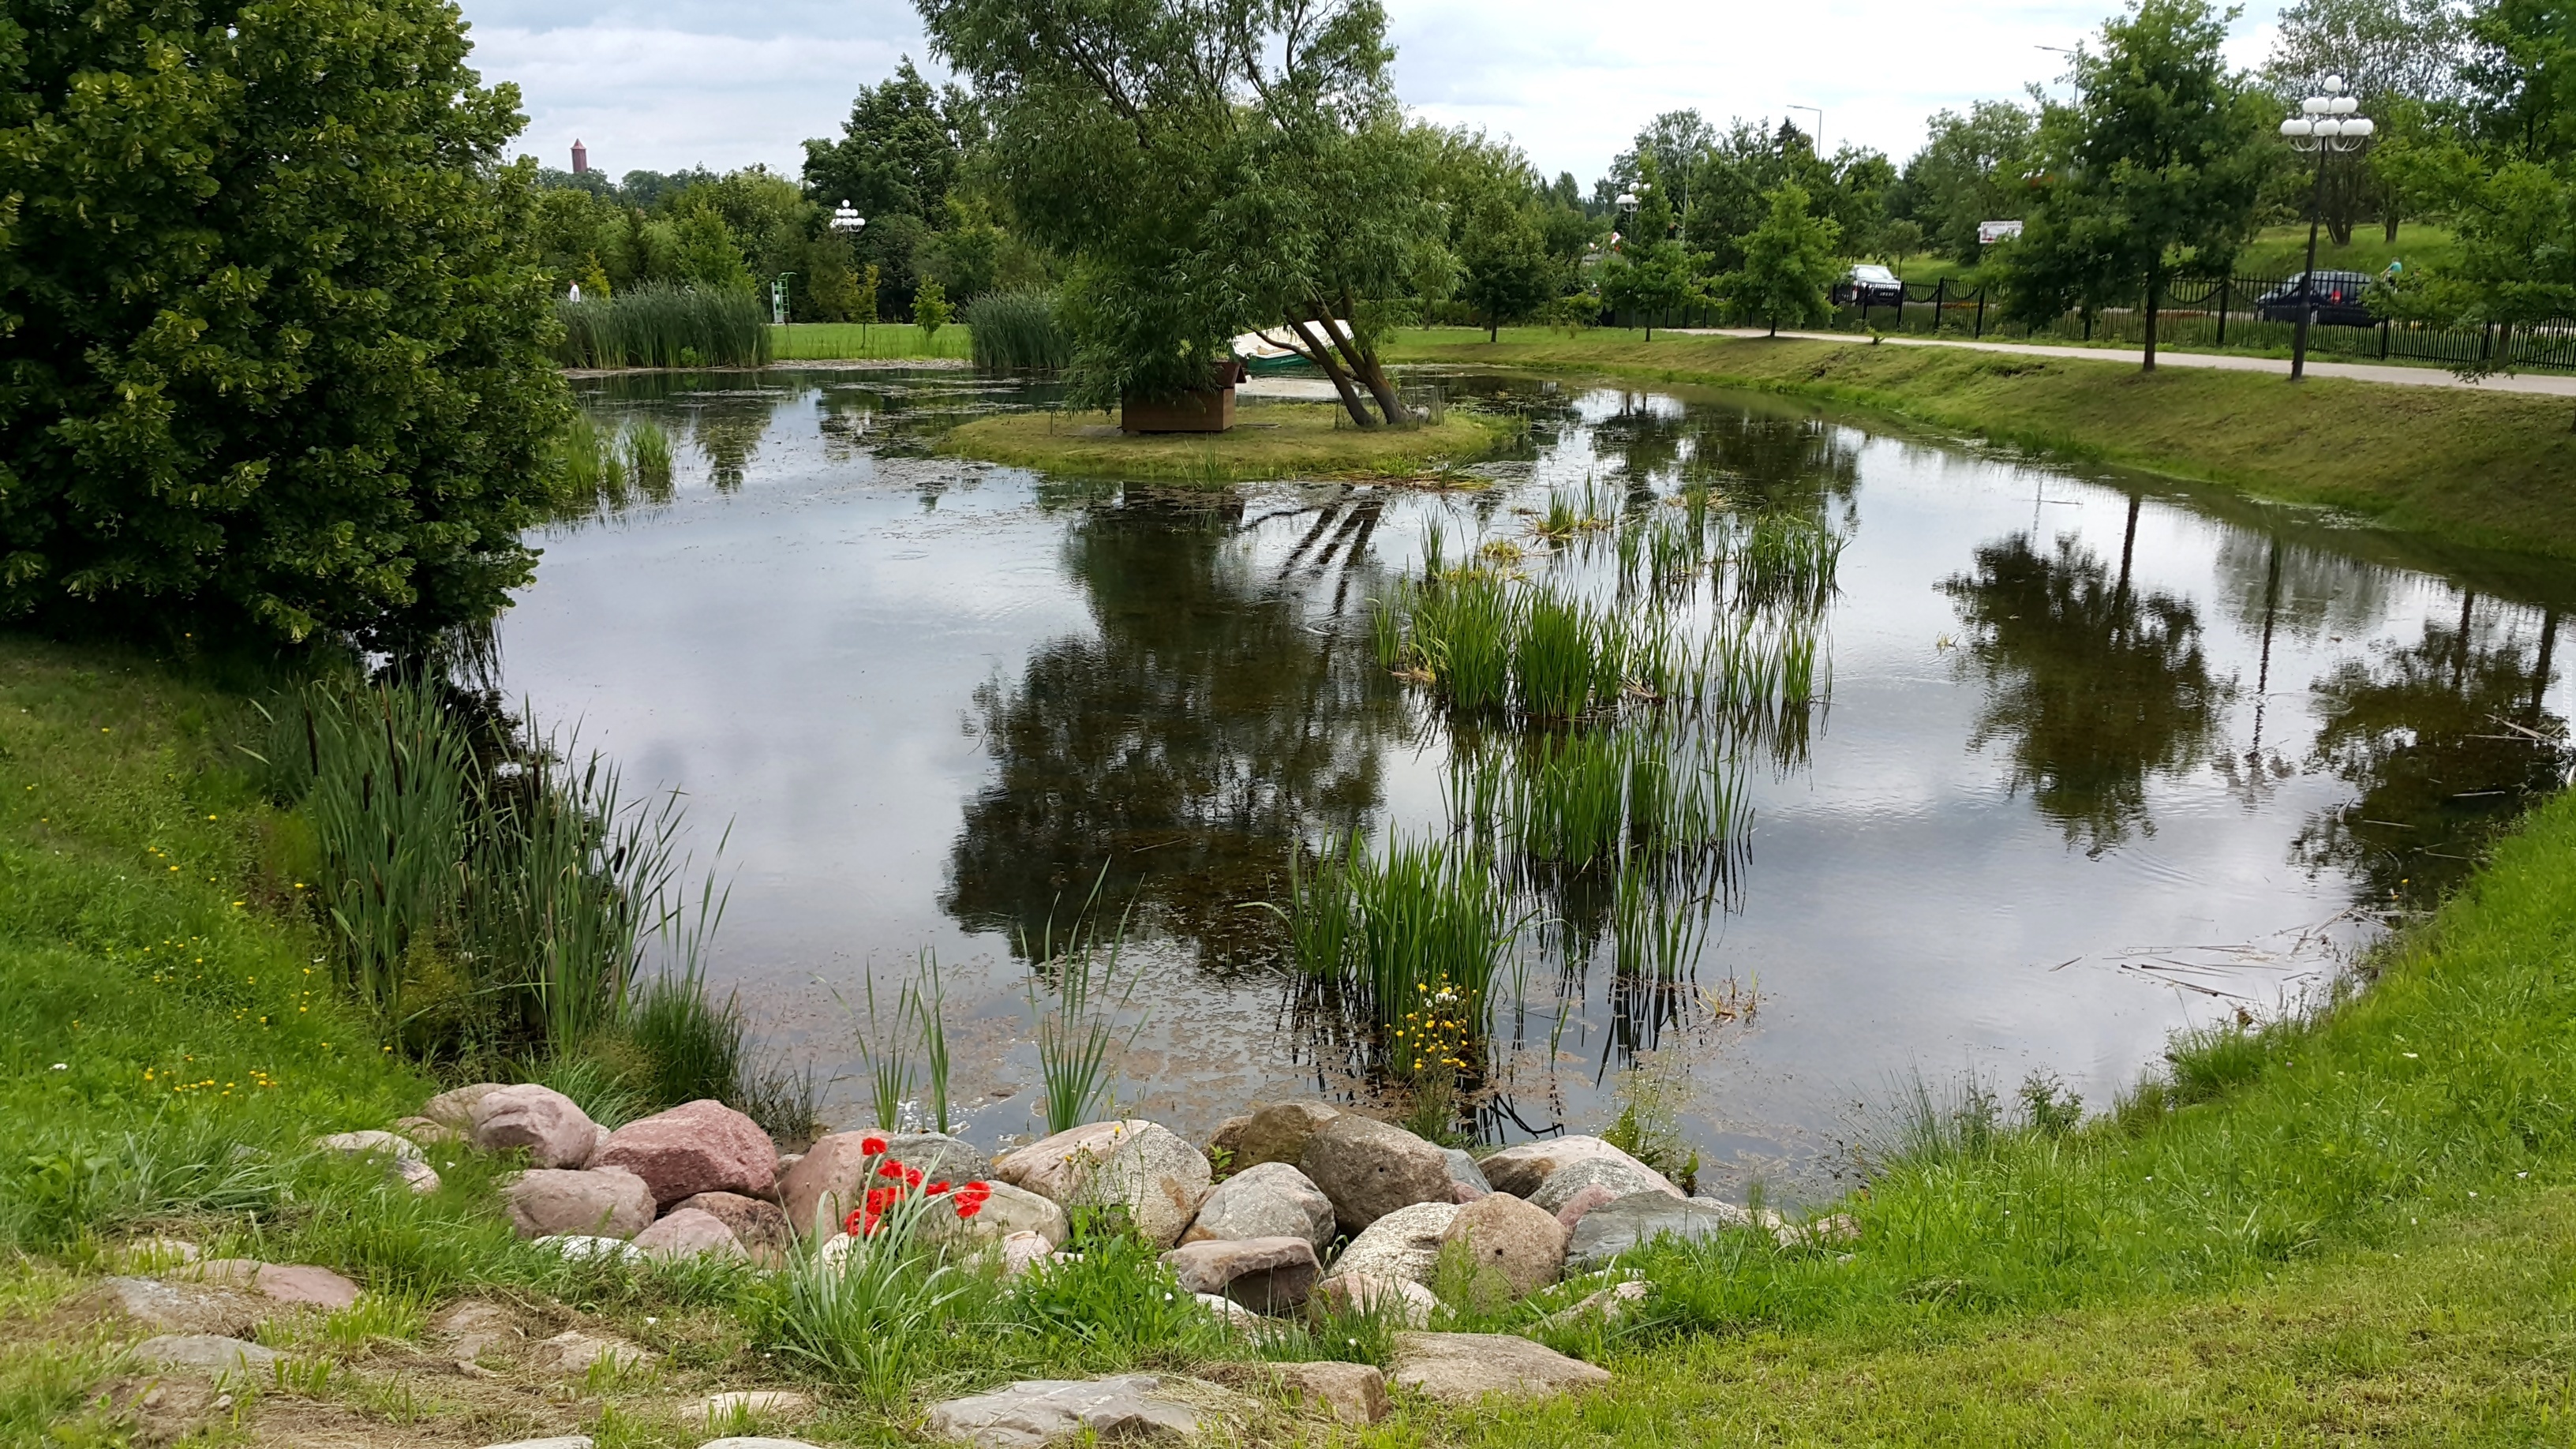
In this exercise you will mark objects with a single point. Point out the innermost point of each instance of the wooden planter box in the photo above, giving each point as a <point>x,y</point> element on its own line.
<point>1208,410</point>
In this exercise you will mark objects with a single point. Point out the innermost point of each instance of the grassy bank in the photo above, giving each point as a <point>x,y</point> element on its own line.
<point>1269,440</point>
<point>2478,469</point>
<point>852,341</point>
<point>2359,1229</point>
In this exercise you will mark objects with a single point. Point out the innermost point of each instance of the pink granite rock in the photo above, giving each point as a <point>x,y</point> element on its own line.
<point>689,1233</point>
<point>1584,1200</point>
<point>554,1129</point>
<point>303,1283</point>
<point>608,1202</point>
<point>704,1146</point>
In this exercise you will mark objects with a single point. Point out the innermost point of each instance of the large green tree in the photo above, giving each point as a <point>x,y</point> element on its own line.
<point>1205,168</point>
<point>2397,57</point>
<point>2157,163</point>
<point>277,339</point>
<point>1790,262</point>
<point>1650,273</point>
<point>1970,171</point>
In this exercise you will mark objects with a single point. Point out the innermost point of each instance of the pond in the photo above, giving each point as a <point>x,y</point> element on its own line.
<point>2072,759</point>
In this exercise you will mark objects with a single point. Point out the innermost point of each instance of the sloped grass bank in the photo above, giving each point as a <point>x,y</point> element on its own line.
<point>2358,1229</point>
<point>1269,440</point>
<point>2485,470</point>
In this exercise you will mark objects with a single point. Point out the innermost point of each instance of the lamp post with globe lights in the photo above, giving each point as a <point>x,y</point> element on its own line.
<point>2326,125</point>
<point>847,222</point>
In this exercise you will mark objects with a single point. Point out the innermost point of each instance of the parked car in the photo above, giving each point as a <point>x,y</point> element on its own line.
<point>2339,299</point>
<point>1869,285</point>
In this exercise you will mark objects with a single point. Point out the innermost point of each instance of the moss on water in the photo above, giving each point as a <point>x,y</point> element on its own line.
<point>1269,440</point>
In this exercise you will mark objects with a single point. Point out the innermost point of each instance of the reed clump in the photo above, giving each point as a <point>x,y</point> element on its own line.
<point>656,325</point>
<point>1379,929</point>
<point>1017,332</point>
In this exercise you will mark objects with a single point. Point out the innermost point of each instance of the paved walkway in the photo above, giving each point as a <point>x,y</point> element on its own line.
<point>2547,384</point>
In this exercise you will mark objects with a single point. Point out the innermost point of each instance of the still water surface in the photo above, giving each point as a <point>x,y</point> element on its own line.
<point>2099,761</point>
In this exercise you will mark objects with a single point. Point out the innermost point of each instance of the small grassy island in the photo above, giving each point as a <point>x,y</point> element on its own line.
<point>1270,440</point>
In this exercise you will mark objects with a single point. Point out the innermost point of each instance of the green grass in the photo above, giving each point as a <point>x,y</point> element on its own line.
<point>1269,440</point>
<point>2485,470</point>
<point>853,341</point>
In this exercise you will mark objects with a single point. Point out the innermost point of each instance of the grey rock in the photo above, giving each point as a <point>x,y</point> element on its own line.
<point>1519,1170</point>
<point>1031,1413</point>
<point>361,1144</point>
<point>583,1247</point>
<point>1607,1305</point>
<point>573,1352</point>
<point>1463,1168</point>
<point>1640,1218</point>
<point>1405,1244</point>
<point>1141,1169</point>
<point>204,1351</point>
<point>1268,1200</point>
<point>689,1233</point>
<point>1621,1178</point>
<point>1354,1392</point>
<point>1007,1211</point>
<point>760,1226</point>
<point>1267,1275</point>
<point>1370,1168</point>
<point>1273,1132</point>
<point>1461,1368</point>
<point>180,1308</point>
<point>473,1327</point>
<point>717,1411</point>
<point>1400,1300</point>
<point>1583,1202</point>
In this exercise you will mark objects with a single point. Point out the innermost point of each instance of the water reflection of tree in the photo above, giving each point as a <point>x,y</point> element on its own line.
<point>2444,740</point>
<point>1201,732</point>
<point>2090,686</point>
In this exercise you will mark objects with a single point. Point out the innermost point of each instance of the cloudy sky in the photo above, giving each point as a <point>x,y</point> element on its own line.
<point>680,83</point>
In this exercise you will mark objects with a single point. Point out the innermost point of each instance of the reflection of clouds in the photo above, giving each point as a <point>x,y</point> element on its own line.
<point>2298,589</point>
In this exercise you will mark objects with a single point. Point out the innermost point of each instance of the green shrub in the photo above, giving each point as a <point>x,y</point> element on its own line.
<point>1017,332</point>
<point>659,325</point>
<point>277,332</point>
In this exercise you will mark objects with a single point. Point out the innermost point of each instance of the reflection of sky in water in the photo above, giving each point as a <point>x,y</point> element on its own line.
<point>2035,831</point>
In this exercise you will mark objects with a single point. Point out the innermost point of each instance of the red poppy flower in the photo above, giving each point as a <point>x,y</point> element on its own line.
<point>873,1146</point>
<point>890,1168</point>
<point>912,1177</point>
<point>850,1224</point>
<point>935,1189</point>
<point>967,1208</point>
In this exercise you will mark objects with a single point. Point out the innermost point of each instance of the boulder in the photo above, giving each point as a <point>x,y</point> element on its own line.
<point>1519,1170</point>
<point>1029,1414</point>
<point>403,1160</point>
<point>1355,1393</point>
<point>1461,1368</point>
<point>1267,1275</point>
<point>1273,1132</point>
<point>1024,1250</point>
<point>573,1352</point>
<point>1640,1218</point>
<point>181,1308</point>
<point>829,1179</point>
<point>427,1129</point>
<point>1136,1167</point>
<point>150,1255</point>
<point>1583,1202</point>
<point>1405,1244</point>
<point>1508,1237</point>
<point>1268,1200</point>
<point>1464,1171</point>
<point>728,1410</point>
<point>205,1352</point>
<point>454,1110</point>
<point>759,1226</point>
<point>302,1283</point>
<point>602,1202</point>
<point>1399,1300</point>
<point>1230,1313</point>
<point>1621,1178</point>
<point>1604,1306</point>
<point>1007,1211</point>
<point>689,1233</point>
<point>702,1146</point>
<point>546,1122</point>
<point>473,1327</point>
<point>1370,1168</point>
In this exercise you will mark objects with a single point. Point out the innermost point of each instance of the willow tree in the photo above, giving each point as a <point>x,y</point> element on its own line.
<point>1208,169</point>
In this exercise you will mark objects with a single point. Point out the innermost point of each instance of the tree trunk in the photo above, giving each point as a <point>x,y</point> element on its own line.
<point>1364,367</point>
<point>1316,352</point>
<point>1493,327</point>
<point>2155,283</point>
<point>2391,221</point>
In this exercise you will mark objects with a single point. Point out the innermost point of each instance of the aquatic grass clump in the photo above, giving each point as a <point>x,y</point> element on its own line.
<point>1379,927</point>
<point>1079,1036</point>
<point>592,469</point>
<point>658,325</point>
<point>1569,657</point>
<point>647,446</point>
<point>1017,332</point>
<point>1784,561</point>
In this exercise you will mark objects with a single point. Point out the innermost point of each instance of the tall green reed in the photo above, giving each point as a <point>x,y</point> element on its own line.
<point>1017,331</point>
<point>657,325</point>
<point>1078,1037</point>
<point>647,446</point>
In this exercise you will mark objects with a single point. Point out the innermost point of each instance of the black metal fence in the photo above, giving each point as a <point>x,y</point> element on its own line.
<point>2241,313</point>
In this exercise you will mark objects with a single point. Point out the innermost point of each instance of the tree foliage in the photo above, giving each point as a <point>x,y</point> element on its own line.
<point>277,349</point>
<point>1972,169</point>
<point>1790,262</point>
<point>2159,161</point>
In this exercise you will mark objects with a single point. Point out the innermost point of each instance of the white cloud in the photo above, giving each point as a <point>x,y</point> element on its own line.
<point>698,83</point>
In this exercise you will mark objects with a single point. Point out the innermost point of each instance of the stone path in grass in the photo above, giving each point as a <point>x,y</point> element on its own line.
<point>2546,384</point>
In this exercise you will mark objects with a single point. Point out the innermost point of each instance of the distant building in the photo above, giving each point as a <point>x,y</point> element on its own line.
<point>580,159</point>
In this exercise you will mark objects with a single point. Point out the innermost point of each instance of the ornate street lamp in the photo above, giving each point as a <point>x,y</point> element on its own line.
<point>2328,126</point>
<point>845,218</point>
